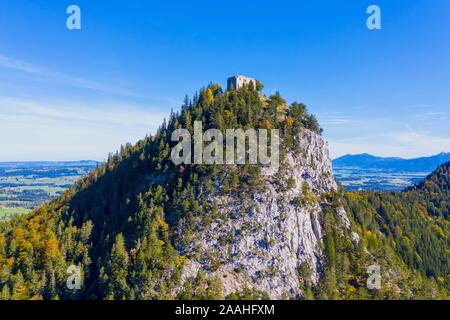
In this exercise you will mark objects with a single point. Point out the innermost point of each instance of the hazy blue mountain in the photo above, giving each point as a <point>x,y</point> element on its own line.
<point>367,161</point>
<point>368,172</point>
<point>53,164</point>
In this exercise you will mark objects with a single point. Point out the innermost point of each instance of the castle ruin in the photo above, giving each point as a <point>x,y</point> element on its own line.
<point>237,82</point>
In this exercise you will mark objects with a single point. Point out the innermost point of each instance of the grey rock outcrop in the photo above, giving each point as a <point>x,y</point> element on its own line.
<point>262,240</point>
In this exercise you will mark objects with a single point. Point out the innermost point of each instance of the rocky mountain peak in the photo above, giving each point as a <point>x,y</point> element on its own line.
<point>262,240</point>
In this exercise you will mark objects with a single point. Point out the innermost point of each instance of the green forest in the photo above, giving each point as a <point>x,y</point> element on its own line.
<point>126,222</point>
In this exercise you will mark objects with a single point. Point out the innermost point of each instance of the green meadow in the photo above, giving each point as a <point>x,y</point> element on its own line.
<point>26,185</point>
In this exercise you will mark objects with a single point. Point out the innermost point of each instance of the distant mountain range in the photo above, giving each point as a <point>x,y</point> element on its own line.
<point>44,164</point>
<point>368,161</point>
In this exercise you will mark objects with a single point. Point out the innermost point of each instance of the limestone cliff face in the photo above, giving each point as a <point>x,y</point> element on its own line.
<point>261,239</point>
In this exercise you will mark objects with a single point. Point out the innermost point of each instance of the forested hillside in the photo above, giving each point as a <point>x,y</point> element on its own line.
<point>434,192</point>
<point>414,222</point>
<point>130,223</point>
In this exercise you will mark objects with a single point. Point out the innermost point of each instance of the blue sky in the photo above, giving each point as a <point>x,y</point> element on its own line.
<point>67,95</point>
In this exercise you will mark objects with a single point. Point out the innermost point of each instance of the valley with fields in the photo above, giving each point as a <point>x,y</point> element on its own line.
<point>26,185</point>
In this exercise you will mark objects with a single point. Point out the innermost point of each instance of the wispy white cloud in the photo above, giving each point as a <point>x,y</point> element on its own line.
<point>406,135</point>
<point>61,78</point>
<point>123,115</point>
<point>58,131</point>
<point>421,106</point>
<point>336,120</point>
<point>10,63</point>
<point>436,113</point>
<point>399,143</point>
